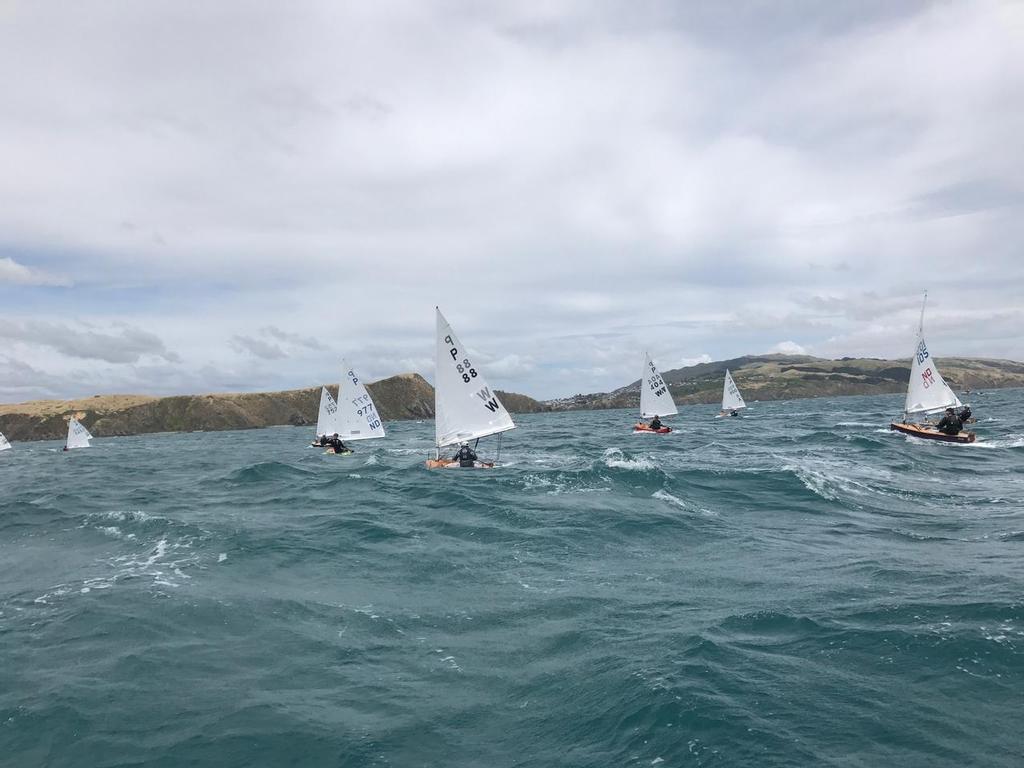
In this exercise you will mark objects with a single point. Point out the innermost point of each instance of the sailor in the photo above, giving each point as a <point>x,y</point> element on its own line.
<point>950,423</point>
<point>655,423</point>
<point>965,414</point>
<point>734,412</point>
<point>466,456</point>
<point>338,446</point>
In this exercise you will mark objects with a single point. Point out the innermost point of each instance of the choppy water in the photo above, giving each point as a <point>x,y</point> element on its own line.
<point>798,587</point>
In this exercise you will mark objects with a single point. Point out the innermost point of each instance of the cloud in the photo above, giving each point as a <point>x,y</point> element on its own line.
<point>272,343</point>
<point>788,348</point>
<point>123,344</point>
<point>13,272</point>
<point>572,182</point>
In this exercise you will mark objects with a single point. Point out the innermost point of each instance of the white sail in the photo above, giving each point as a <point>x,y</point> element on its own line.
<point>928,392</point>
<point>327,416</point>
<point>78,435</point>
<point>655,399</point>
<point>732,400</point>
<point>4,445</point>
<point>465,407</point>
<point>357,416</point>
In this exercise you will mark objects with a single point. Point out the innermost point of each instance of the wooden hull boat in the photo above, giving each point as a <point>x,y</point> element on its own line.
<point>930,433</point>
<point>435,464</point>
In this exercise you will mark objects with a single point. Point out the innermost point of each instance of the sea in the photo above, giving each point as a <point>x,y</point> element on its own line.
<point>796,587</point>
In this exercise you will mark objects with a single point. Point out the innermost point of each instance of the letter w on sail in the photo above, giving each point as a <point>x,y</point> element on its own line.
<point>490,401</point>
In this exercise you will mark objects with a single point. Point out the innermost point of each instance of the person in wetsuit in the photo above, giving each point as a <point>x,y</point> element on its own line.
<point>734,413</point>
<point>655,423</point>
<point>466,456</point>
<point>950,423</point>
<point>965,414</point>
<point>338,446</point>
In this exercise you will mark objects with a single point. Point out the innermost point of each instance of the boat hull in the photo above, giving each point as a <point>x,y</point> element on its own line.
<point>643,428</point>
<point>435,464</point>
<point>930,433</point>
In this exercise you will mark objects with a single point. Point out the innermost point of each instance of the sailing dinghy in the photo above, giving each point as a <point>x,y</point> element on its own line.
<point>78,435</point>
<point>732,400</point>
<point>928,394</point>
<point>353,416</point>
<point>326,418</point>
<point>465,407</point>
<point>655,400</point>
<point>357,417</point>
<point>4,444</point>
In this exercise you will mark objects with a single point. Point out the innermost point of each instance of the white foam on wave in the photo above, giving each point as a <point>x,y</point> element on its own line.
<point>858,424</point>
<point>615,459</point>
<point>1010,441</point>
<point>832,480</point>
<point>675,501</point>
<point>370,461</point>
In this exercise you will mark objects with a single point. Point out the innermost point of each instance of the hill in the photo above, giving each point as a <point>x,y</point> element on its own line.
<point>406,396</point>
<point>785,377</point>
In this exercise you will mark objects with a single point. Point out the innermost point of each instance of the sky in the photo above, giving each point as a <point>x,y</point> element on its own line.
<point>231,196</point>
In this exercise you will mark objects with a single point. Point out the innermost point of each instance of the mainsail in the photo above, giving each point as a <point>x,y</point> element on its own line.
<point>655,399</point>
<point>326,419</point>
<point>927,391</point>
<point>465,407</point>
<point>357,416</point>
<point>78,435</point>
<point>4,445</point>
<point>732,400</point>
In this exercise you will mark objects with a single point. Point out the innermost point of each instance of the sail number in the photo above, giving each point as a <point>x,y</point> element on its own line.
<point>465,368</point>
<point>927,378</point>
<point>922,352</point>
<point>657,384</point>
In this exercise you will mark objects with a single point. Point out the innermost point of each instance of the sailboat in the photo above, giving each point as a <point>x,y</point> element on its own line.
<point>928,394</point>
<point>353,416</point>
<point>327,416</point>
<point>78,435</point>
<point>655,400</point>
<point>4,444</point>
<point>357,415</point>
<point>465,407</point>
<point>732,400</point>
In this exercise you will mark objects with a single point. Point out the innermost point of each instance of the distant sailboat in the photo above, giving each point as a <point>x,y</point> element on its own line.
<point>928,394</point>
<point>327,416</point>
<point>357,415</point>
<point>465,407</point>
<point>4,444</point>
<point>732,400</point>
<point>78,435</point>
<point>655,400</point>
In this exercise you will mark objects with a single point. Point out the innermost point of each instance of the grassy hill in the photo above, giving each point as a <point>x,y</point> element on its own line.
<point>785,377</point>
<point>406,396</point>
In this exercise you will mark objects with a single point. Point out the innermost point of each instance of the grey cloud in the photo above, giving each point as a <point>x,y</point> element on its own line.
<point>273,343</point>
<point>13,272</point>
<point>125,344</point>
<point>257,347</point>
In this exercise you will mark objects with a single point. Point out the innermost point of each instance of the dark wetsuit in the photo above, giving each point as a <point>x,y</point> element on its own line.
<point>337,445</point>
<point>655,423</point>
<point>950,424</point>
<point>466,456</point>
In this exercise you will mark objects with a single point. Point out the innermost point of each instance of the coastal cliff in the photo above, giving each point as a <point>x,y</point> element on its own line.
<point>405,396</point>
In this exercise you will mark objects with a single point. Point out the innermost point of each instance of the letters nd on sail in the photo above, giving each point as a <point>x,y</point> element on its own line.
<point>358,418</point>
